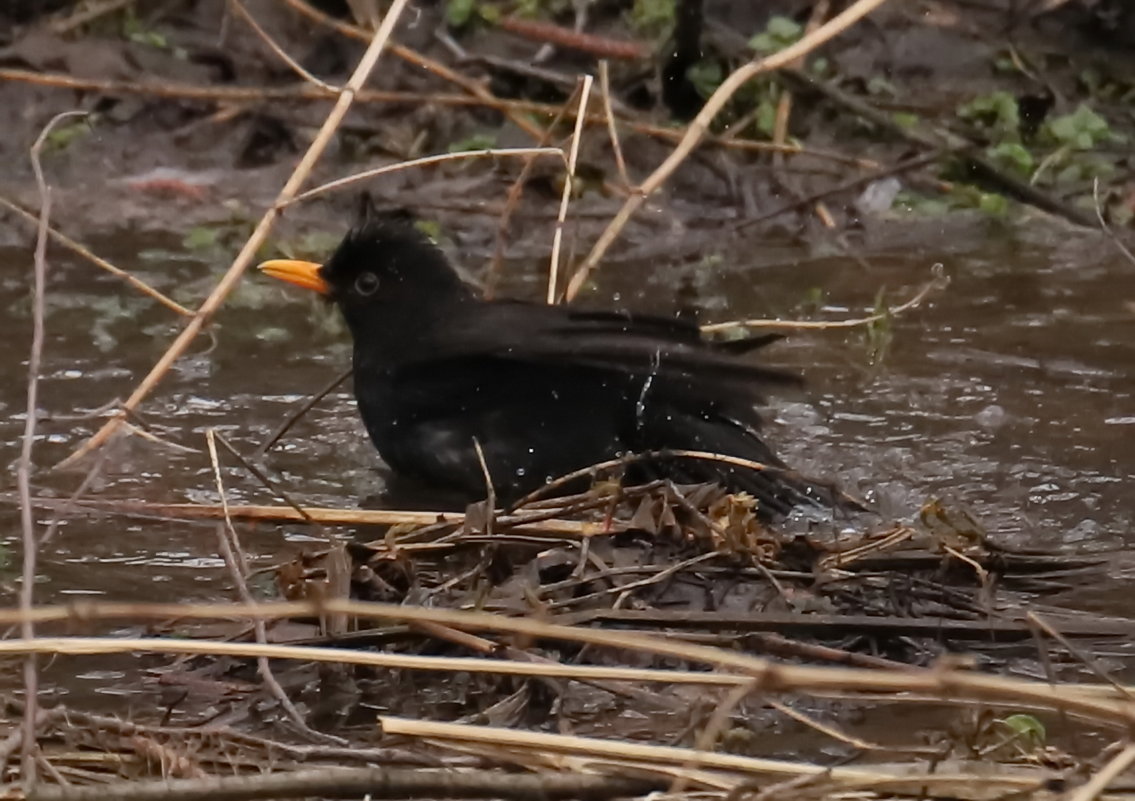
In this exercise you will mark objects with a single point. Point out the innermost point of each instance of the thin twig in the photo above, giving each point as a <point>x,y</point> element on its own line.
<point>706,738</point>
<point>368,782</point>
<point>237,563</point>
<point>1115,768</point>
<point>908,165</point>
<point>632,458</point>
<point>229,281</point>
<point>474,88</point>
<point>516,109</point>
<point>605,88</point>
<point>730,767</point>
<point>68,506</point>
<point>598,46</point>
<point>303,409</point>
<point>1085,658</point>
<point>24,465</point>
<point>492,274</point>
<point>619,589</point>
<point>945,681</point>
<point>150,436</point>
<point>830,731</point>
<point>263,479</point>
<point>425,160</point>
<point>939,282</point>
<point>536,524</point>
<point>298,68</point>
<point>89,13</point>
<point>102,263</point>
<point>384,660</point>
<point>569,180</point>
<point>490,489</point>
<point>700,125</point>
<point>1114,237</point>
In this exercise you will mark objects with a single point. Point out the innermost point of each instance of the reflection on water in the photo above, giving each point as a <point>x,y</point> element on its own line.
<point>1011,392</point>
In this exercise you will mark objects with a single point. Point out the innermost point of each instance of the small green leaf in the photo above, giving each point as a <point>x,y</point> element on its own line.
<point>706,75</point>
<point>474,142</point>
<point>201,238</point>
<point>62,136</point>
<point>1027,728</point>
<point>458,13</point>
<point>905,119</point>
<point>766,116</point>
<point>653,17</point>
<point>784,28</point>
<point>879,86</point>
<point>1012,156</point>
<point>993,204</point>
<point>431,228</point>
<point>1083,129</point>
<point>777,35</point>
<point>996,112</point>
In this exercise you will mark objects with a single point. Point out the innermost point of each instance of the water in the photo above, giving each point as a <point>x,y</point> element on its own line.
<point>1009,392</point>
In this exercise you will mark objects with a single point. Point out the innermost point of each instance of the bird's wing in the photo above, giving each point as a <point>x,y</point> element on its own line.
<point>624,343</point>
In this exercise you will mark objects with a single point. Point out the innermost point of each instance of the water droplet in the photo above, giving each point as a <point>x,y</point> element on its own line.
<point>990,417</point>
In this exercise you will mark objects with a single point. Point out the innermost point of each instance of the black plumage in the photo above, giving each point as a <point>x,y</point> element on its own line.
<point>544,390</point>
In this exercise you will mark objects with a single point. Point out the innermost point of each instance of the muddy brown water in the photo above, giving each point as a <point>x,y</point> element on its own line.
<point>1010,392</point>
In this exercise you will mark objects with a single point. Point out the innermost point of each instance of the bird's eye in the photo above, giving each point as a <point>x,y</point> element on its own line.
<point>366,284</point>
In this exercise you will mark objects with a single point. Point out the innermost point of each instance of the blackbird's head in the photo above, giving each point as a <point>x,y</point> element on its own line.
<point>384,266</point>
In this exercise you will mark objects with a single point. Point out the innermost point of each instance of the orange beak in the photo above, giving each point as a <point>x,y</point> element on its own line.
<point>300,273</point>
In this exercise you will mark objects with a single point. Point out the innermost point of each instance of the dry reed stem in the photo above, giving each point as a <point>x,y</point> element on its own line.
<point>27,445</point>
<point>259,475</point>
<point>700,125</point>
<point>1099,782</point>
<point>475,89</point>
<point>1095,702</point>
<point>255,240</point>
<point>565,196</point>
<point>842,737</point>
<point>976,786</point>
<point>296,67</point>
<point>608,112</point>
<point>597,46</point>
<point>490,489</point>
<point>630,459</point>
<point>237,564</point>
<point>1085,659</point>
<point>939,282</point>
<point>339,183</point>
<point>87,13</point>
<point>708,736</point>
<point>548,669</point>
<point>1114,237</point>
<point>102,263</point>
<point>338,517</point>
<point>491,275</point>
<point>220,94</point>
<point>369,783</point>
<point>242,94</point>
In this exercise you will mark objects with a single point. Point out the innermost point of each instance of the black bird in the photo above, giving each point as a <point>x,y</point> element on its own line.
<point>544,390</point>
